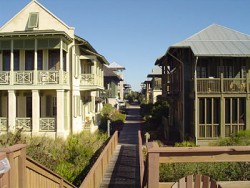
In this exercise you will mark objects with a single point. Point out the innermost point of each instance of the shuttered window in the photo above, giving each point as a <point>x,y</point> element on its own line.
<point>33,20</point>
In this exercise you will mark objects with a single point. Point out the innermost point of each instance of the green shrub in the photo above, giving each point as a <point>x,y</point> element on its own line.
<point>10,139</point>
<point>185,144</point>
<point>110,113</point>
<point>240,139</point>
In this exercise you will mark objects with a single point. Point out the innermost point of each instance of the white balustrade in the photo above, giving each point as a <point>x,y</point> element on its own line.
<point>48,77</point>
<point>47,124</point>
<point>4,77</point>
<point>3,124</point>
<point>87,79</point>
<point>24,123</point>
<point>23,77</point>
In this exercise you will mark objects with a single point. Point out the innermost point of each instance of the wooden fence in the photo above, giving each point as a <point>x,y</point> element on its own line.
<point>95,176</point>
<point>142,166</point>
<point>157,155</point>
<point>26,173</point>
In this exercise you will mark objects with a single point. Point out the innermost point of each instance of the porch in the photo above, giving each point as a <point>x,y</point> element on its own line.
<point>33,77</point>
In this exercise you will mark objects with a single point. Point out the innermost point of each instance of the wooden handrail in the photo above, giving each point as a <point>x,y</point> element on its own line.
<point>142,167</point>
<point>157,155</point>
<point>96,174</point>
<point>25,172</point>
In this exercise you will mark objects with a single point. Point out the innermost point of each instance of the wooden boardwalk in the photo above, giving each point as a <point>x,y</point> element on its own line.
<point>124,170</point>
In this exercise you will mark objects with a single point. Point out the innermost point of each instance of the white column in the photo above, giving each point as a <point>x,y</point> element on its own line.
<point>35,64</point>
<point>61,63</point>
<point>60,114</point>
<point>11,110</point>
<point>35,111</point>
<point>12,63</point>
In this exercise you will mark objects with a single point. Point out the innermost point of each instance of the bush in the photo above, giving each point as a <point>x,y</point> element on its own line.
<point>223,171</point>
<point>110,113</point>
<point>67,158</point>
<point>10,139</point>
<point>240,139</point>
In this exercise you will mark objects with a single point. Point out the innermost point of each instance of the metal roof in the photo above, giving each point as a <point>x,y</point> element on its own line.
<point>109,73</point>
<point>156,71</point>
<point>115,65</point>
<point>216,40</point>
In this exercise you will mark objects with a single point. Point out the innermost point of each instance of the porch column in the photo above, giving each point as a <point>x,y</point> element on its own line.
<point>35,64</point>
<point>222,116</point>
<point>60,113</point>
<point>61,63</point>
<point>11,110</point>
<point>12,63</point>
<point>35,111</point>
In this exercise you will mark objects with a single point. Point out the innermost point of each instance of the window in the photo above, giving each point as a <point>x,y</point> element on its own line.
<point>29,60</point>
<point>28,106</point>
<point>6,60</point>
<point>201,72</point>
<point>54,59</point>
<point>33,20</point>
<point>16,60</point>
<point>39,60</point>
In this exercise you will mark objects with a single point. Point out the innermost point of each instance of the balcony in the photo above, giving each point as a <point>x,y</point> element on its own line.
<point>47,124</point>
<point>29,78</point>
<point>222,85</point>
<point>91,81</point>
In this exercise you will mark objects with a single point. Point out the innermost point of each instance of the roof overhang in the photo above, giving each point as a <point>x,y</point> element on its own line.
<point>40,33</point>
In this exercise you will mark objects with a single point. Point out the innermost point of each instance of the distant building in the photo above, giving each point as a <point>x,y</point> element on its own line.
<point>118,69</point>
<point>207,83</point>
<point>156,89</point>
<point>50,79</point>
<point>111,84</point>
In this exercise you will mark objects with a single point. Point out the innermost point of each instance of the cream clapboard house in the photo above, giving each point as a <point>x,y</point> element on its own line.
<point>49,77</point>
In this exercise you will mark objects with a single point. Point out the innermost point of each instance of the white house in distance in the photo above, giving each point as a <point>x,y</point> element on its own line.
<point>49,77</point>
<point>156,89</point>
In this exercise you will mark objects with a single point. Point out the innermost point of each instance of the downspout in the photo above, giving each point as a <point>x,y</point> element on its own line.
<point>182,64</point>
<point>195,101</point>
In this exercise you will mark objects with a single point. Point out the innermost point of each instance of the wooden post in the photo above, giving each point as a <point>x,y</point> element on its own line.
<point>22,168</point>
<point>153,166</point>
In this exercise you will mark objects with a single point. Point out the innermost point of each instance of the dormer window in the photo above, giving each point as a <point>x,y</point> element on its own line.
<point>33,20</point>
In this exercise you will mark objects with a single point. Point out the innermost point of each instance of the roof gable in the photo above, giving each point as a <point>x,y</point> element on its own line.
<point>46,20</point>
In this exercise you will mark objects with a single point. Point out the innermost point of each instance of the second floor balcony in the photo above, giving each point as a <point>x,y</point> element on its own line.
<point>91,81</point>
<point>33,77</point>
<point>223,85</point>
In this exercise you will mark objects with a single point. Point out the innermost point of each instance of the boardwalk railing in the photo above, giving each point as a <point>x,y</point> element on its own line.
<point>142,166</point>
<point>95,176</point>
<point>26,173</point>
<point>157,155</point>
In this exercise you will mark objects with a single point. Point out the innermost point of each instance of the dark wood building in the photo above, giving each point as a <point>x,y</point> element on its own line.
<point>206,79</point>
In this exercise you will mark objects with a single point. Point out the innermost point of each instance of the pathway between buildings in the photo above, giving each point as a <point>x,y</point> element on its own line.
<point>124,170</point>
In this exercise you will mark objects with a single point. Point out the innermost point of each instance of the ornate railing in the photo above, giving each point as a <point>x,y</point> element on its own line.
<point>48,77</point>
<point>23,77</point>
<point>87,79</point>
<point>3,124</point>
<point>29,77</point>
<point>4,77</point>
<point>65,77</point>
<point>47,124</point>
<point>24,123</point>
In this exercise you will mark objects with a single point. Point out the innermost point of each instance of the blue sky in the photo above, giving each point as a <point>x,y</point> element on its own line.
<point>134,33</point>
